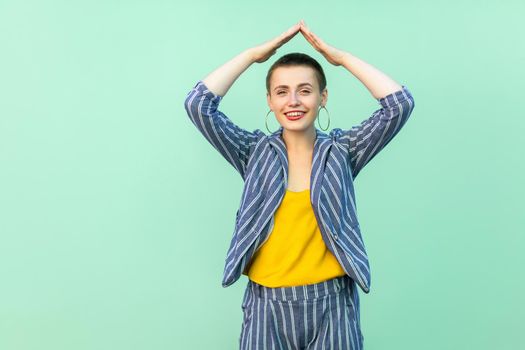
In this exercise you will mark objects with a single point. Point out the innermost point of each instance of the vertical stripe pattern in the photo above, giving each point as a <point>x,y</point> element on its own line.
<point>262,162</point>
<point>232,142</point>
<point>316,316</point>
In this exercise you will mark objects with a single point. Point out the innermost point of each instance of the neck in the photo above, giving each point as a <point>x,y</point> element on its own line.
<point>298,141</point>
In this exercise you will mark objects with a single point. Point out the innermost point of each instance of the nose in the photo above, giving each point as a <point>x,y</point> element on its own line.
<point>293,100</point>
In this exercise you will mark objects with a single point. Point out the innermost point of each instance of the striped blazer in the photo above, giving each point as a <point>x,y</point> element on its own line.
<point>262,162</point>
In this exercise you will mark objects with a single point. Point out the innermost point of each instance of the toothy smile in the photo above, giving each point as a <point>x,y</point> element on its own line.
<point>294,114</point>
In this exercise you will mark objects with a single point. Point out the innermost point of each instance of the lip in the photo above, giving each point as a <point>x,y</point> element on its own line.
<point>295,117</point>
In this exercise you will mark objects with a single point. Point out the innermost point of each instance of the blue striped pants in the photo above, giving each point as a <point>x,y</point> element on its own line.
<point>323,315</point>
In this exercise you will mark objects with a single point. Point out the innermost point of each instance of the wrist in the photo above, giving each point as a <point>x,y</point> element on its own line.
<point>249,55</point>
<point>347,59</point>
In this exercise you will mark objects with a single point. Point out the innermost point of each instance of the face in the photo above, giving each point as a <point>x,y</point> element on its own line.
<point>295,89</point>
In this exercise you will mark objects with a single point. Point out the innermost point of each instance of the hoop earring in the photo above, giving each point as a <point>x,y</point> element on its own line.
<point>318,118</point>
<point>266,122</point>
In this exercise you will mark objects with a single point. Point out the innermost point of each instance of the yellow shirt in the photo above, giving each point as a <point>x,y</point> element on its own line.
<point>294,253</point>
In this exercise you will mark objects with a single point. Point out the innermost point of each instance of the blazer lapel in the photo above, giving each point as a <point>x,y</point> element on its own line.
<point>278,144</point>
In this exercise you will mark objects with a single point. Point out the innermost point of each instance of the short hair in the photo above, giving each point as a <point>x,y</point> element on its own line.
<point>298,59</point>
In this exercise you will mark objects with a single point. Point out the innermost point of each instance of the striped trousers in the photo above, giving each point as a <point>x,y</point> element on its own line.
<point>323,315</point>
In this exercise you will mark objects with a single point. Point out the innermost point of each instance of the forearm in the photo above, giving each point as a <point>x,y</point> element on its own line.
<point>378,83</point>
<point>221,79</point>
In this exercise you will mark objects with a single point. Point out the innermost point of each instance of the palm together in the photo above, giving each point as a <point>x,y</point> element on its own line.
<point>262,52</point>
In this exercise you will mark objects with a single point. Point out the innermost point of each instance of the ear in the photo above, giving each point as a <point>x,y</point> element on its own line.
<point>268,100</point>
<point>324,97</point>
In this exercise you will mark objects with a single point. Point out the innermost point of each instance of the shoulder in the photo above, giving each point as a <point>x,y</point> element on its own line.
<point>339,138</point>
<point>335,135</point>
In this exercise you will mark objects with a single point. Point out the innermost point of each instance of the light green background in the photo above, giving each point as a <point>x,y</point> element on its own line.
<point>116,214</point>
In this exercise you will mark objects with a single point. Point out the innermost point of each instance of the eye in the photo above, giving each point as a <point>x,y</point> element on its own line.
<point>280,92</point>
<point>306,91</point>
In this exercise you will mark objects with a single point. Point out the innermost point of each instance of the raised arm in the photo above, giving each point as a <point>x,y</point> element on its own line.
<point>365,140</point>
<point>220,80</point>
<point>202,102</point>
<point>378,83</point>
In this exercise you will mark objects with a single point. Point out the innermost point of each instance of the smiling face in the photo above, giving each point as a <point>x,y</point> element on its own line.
<point>295,88</point>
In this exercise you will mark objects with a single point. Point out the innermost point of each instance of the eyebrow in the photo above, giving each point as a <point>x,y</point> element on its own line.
<point>285,86</point>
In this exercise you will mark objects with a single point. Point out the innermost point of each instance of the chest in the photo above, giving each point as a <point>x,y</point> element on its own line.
<point>299,171</point>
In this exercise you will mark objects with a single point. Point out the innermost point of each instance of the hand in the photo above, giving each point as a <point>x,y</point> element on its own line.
<point>264,51</point>
<point>332,55</point>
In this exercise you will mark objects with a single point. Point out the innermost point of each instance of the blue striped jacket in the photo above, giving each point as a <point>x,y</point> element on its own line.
<point>262,162</point>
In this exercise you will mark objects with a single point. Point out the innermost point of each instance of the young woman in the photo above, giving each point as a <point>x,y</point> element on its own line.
<point>297,236</point>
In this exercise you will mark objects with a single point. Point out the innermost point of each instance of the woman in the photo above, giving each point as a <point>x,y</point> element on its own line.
<point>297,236</point>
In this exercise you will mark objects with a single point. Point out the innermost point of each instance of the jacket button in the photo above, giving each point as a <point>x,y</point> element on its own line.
<point>336,237</point>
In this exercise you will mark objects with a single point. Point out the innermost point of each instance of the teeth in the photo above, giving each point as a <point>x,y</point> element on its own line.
<point>294,114</point>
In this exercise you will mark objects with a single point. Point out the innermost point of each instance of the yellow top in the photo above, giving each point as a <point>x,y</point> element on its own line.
<point>294,253</point>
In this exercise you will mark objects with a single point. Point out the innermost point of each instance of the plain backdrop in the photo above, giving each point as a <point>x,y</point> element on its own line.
<point>116,214</point>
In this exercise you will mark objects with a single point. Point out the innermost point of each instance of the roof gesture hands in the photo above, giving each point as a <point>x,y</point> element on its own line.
<point>264,51</point>
<point>332,55</point>
<point>377,82</point>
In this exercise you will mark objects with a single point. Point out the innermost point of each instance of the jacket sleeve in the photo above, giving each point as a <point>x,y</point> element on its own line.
<point>368,138</point>
<point>232,142</point>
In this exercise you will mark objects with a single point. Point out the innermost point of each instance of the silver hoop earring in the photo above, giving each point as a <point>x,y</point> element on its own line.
<point>266,121</point>
<point>318,118</point>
